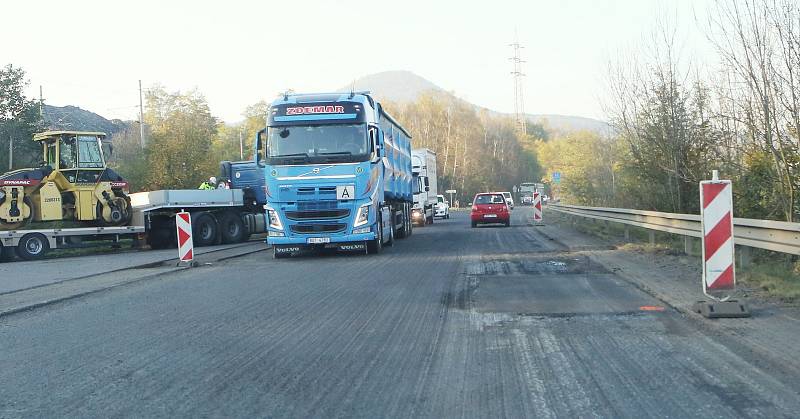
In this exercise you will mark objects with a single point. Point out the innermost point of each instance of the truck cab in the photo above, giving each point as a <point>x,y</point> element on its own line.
<point>423,166</point>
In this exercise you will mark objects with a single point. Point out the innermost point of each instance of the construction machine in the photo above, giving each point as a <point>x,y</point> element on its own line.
<point>72,183</point>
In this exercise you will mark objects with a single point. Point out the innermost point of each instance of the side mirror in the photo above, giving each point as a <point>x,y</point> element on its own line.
<point>427,188</point>
<point>375,142</point>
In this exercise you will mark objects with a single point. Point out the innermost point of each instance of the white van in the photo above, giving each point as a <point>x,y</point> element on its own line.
<point>442,209</point>
<point>509,199</point>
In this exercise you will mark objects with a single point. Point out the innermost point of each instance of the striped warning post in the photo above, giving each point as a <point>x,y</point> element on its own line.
<point>537,207</point>
<point>183,222</point>
<point>716,197</point>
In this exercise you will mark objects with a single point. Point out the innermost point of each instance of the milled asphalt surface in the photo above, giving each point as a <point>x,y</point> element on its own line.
<point>452,322</point>
<point>19,275</point>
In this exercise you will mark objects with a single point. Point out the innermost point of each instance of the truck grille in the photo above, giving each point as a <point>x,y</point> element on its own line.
<point>318,228</point>
<point>317,215</point>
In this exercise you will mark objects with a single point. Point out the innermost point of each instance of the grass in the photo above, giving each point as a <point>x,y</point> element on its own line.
<point>778,279</point>
<point>771,274</point>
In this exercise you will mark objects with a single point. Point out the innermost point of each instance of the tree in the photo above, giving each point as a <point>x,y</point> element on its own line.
<point>19,120</point>
<point>179,150</point>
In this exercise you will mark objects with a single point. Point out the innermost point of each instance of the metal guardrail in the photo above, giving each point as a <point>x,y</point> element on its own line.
<point>777,236</point>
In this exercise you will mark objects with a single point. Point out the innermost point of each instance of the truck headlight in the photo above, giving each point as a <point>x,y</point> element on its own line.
<point>274,220</point>
<point>362,215</point>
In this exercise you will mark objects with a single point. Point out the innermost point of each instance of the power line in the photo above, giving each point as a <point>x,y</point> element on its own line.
<point>519,98</point>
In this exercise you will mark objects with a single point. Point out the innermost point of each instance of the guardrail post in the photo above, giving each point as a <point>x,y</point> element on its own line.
<point>627,233</point>
<point>687,245</point>
<point>745,255</point>
<point>651,235</point>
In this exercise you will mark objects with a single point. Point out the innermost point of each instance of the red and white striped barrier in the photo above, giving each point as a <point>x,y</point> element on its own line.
<point>716,197</point>
<point>537,207</point>
<point>183,222</point>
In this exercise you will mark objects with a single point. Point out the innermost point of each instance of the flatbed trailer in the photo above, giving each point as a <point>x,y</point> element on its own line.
<point>218,216</point>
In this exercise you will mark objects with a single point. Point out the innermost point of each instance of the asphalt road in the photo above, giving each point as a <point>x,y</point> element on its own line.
<point>452,322</point>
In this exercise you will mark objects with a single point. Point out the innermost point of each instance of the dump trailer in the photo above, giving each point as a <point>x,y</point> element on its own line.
<point>423,166</point>
<point>337,174</point>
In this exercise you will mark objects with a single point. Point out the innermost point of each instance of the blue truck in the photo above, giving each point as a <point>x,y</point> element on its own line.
<point>337,174</point>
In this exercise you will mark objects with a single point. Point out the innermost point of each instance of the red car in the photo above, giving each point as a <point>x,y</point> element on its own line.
<point>490,208</point>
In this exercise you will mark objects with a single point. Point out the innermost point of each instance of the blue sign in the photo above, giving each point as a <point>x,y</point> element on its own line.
<point>556,177</point>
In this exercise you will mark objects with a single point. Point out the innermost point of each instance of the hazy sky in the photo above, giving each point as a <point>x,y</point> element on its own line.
<point>92,53</point>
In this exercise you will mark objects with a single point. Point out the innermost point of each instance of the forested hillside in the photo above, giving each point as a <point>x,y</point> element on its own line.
<point>675,124</point>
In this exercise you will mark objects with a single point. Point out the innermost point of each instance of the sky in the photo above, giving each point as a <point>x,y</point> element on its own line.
<point>92,54</point>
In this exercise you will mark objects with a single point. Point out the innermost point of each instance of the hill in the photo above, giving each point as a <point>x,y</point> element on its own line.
<point>74,118</point>
<point>394,86</point>
<point>405,86</point>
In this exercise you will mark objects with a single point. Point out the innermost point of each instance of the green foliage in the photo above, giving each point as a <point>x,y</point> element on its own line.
<point>587,166</point>
<point>19,119</point>
<point>475,152</point>
<point>179,148</point>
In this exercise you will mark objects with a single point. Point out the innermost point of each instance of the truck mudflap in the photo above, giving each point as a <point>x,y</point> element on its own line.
<point>298,249</point>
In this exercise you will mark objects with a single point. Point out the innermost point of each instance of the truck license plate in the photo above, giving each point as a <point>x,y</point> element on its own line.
<point>490,216</point>
<point>317,240</point>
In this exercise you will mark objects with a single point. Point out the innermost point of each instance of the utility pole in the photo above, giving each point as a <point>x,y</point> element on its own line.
<point>41,102</point>
<point>141,117</point>
<point>519,99</point>
<point>10,152</point>
<point>241,145</point>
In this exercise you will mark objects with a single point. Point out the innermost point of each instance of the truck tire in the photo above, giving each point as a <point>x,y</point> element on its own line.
<point>33,246</point>
<point>375,246</point>
<point>231,228</point>
<point>409,224</point>
<point>204,229</point>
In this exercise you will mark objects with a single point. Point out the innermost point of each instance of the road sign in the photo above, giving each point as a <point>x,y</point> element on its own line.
<point>183,223</point>
<point>450,191</point>
<point>716,213</point>
<point>556,177</point>
<point>537,207</point>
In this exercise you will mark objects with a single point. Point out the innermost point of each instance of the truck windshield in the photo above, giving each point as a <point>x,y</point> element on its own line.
<point>317,144</point>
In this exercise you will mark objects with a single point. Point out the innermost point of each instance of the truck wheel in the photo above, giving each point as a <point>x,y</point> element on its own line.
<point>375,246</point>
<point>204,229</point>
<point>409,224</point>
<point>232,228</point>
<point>33,246</point>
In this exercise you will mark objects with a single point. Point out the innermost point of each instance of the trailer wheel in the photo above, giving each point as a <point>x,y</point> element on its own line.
<point>32,246</point>
<point>232,228</point>
<point>204,229</point>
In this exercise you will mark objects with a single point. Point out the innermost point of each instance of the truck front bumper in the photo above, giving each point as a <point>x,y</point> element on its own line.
<point>347,243</point>
<point>298,245</point>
